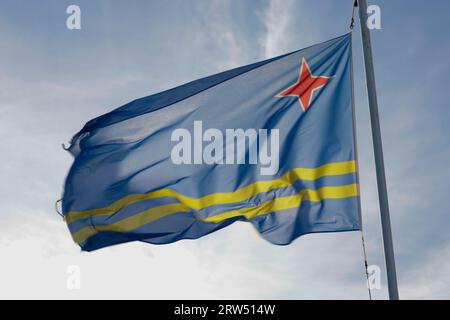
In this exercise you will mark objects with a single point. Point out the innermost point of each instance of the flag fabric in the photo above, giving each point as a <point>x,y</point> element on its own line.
<point>271,143</point>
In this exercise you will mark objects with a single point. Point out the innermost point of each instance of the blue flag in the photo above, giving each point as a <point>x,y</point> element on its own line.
<point>271,143</point>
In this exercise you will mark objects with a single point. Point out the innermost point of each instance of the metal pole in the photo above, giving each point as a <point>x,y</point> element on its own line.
<point>378,151</point>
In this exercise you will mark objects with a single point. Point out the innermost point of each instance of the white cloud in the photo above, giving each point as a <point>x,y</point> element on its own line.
<point>288,26</point>
<point>278,19</point>
<point>430,279</point>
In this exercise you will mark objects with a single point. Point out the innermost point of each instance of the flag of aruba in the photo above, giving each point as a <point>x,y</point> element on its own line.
<point>271,143</point>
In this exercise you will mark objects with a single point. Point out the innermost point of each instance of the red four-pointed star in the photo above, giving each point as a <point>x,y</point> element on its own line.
<point>305,86</point>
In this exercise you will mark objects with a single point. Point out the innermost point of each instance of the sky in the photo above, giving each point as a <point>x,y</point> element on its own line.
<point>53,80</point>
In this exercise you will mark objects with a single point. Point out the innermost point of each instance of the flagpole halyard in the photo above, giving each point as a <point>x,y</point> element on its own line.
<point>378,152</point>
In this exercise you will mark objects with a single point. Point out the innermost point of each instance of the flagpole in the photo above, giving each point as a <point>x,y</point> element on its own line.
<point>378,151</point>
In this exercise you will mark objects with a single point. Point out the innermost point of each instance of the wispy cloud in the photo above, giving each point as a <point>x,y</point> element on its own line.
<point>288,27</point>
<point>278,18</point>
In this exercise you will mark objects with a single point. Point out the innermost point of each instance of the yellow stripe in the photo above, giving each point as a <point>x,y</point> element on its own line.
<point>132,222</point>
<point>289,202</point>
<point>331,169</point>
<point>278,204</point>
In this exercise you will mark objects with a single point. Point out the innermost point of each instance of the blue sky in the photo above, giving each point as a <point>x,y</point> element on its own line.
<point>53,80</point>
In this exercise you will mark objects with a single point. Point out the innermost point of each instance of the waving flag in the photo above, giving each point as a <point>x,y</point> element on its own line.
<point>271,143</point>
